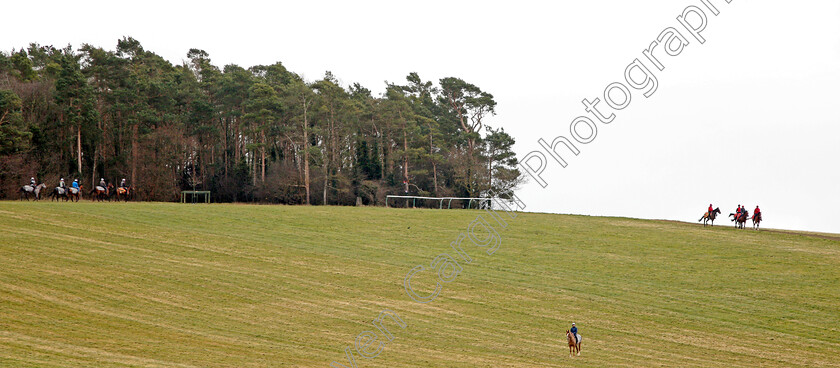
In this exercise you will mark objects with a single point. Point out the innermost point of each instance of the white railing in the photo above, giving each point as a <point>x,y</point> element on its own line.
<point>441,199</point>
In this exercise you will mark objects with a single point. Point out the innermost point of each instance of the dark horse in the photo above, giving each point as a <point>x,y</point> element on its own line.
<point>572,345</point>
<point>99,193</point>
<point>59,193</point>
<point>740,219</point>
<point>74,193</point>
<point>35,191</point>
<point>756,220</point>
<point>710,217</point>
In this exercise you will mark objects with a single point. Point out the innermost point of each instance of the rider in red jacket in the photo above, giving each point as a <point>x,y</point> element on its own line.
<point>710,208</point>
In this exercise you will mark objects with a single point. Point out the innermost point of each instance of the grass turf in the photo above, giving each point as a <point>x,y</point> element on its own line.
<point>161,284</point>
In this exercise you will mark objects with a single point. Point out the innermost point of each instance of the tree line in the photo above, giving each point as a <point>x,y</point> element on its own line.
<point>261,134</point>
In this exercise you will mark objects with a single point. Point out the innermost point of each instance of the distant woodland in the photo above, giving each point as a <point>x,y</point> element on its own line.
<point>257,134</point>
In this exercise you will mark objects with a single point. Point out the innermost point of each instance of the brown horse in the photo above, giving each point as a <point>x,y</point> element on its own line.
<point>756,219</point>
<point>99,193</point>
<point>710,217</point>
<point>572,345</point>
<point>73,193</point>
<point>124,193</point>
<point>740,219</point>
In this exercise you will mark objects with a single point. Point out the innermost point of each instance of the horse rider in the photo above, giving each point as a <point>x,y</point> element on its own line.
<point>574,332</point>
<point>710,209</point>
<point>123,184</point>
<point>75,184</point>
<point>32,182</point>
<point>757,212</point>
<point>61,184</point>
<point>102,183</point>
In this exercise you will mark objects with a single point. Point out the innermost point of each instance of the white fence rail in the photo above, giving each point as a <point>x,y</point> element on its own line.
<point>441,199</point>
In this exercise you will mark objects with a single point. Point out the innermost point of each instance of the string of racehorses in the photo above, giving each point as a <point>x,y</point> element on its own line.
<point>71,194</point>
<point>739,218</point>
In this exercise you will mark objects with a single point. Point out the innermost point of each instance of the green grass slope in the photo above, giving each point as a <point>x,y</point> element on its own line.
<point>170,285</point>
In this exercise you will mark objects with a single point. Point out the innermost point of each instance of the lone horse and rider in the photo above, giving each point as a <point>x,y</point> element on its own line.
<point>574,340</point>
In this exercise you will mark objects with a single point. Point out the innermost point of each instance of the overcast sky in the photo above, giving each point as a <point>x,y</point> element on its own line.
<point>748,117</point>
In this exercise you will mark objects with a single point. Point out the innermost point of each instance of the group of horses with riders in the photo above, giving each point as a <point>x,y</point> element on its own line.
<point>739,217</point>
<point>103,192</point>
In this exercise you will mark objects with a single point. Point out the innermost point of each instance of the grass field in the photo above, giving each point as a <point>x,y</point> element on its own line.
<point>161,284</point>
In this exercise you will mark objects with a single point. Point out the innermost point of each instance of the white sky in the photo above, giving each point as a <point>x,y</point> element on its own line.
<point>748,117</point>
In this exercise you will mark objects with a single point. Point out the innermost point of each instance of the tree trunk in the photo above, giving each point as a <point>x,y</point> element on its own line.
<point>329,148</point>
<point>388,158</point>
<point>79,147</point>
<point>490,171</point>
<point>236,142</point>
<point>405,151</point>
<point>306,152</point>
<point>470,153</point>
<point>326,182</point>
<point>225,145</point>
<point>432,159</point>
<point>326,170</point>
<point>380,153</point>
<point>93,170</point>
<point>134,155</point>
<point>202,160</point>
<point>262,156</point>
<point>434,171</point>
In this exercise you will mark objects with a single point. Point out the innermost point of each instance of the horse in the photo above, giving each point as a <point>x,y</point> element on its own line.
<point>99,193</point>
<point>59,193</point>
<point>124,193</point>
<point>572,345</point>
<point>36,191</point>
<point>74,193</point>
<point>739,219</point>
<point>756,219</point>
<point>710,217</point>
